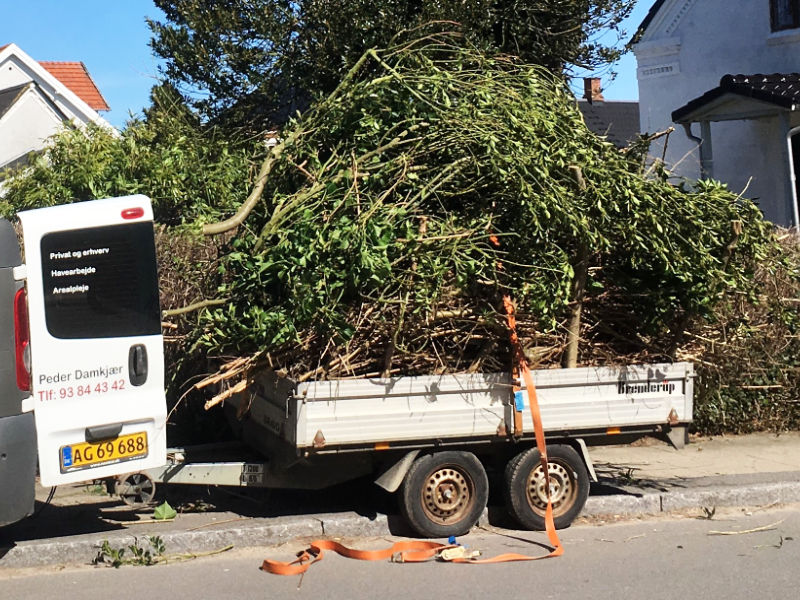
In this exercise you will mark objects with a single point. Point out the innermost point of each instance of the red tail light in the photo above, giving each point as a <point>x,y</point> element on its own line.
<point>22,339</point>
<point>133,213</point>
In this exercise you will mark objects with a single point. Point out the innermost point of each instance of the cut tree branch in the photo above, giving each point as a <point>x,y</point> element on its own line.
<point>174,312</point>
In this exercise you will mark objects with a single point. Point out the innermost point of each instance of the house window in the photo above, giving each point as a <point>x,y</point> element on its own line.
<point>784,14</point>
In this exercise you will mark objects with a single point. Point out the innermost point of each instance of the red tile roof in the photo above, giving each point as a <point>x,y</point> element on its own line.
<point>75,76</point>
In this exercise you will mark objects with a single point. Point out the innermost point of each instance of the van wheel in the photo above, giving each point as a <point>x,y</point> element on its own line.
<point>444,493</point>
<point>524,489</point>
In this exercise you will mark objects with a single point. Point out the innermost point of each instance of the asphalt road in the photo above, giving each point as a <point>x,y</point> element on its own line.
<point>656,558</point>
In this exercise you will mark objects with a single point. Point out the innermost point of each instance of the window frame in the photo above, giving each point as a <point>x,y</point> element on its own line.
<point>775,18</point>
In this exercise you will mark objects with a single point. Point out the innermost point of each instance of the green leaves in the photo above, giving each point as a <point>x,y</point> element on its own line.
<point>252,63</point>
<point>376,219</point>
<point>164,512</point>
<point>190,172</point>
<point>139,554</point>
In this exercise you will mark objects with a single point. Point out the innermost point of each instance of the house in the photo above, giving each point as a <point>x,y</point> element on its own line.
<point>727,78</point>
<point>37,98</point>
<point>615,120</point>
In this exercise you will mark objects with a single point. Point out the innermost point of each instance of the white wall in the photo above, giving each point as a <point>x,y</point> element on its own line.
<point>12,73</point>
<point>26,126</point>
<point>43,110</point>
<point>684,53</point>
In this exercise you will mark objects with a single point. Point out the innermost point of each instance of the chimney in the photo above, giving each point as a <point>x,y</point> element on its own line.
<point>592,90</point>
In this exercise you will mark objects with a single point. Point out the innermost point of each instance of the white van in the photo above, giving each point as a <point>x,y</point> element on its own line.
<point>87,350</point>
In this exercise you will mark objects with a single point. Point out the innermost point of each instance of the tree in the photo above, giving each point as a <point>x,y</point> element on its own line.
<point>188,170</point>
<point>257,62</point>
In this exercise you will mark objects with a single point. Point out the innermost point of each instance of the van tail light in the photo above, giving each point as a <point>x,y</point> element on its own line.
<point>22,340</point>
<point>133,213</point>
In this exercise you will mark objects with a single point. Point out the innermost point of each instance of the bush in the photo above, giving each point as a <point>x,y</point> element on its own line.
<point>190,172</point>
<point>748,356</point>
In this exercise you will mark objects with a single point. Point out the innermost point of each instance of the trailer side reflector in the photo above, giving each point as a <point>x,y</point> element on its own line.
<point>613,431</point>
<point>382,446</point>
<point>133,213</point>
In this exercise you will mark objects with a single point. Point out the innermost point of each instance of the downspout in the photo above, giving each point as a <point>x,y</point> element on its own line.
<point>704,145</point>
<point>793,175</point>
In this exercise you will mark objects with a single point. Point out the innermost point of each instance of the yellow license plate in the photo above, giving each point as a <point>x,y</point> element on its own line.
<point>93,454</point>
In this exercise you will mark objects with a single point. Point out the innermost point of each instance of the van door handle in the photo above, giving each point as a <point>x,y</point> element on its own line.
<point>137,364</point>
<point>100,433</point>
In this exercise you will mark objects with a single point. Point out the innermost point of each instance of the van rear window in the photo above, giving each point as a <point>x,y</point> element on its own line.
<point>101,282</point>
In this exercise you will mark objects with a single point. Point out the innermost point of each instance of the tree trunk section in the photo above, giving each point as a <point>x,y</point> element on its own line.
<point>581,269</point>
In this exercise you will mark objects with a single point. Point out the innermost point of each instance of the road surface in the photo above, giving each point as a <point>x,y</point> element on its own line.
<point>656,558</point>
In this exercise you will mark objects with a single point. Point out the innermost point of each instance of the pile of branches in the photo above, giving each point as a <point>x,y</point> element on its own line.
<point>748,356</point>
<point>385,227</point>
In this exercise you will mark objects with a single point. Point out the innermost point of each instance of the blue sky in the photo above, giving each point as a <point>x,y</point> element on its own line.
<point>111,39</point>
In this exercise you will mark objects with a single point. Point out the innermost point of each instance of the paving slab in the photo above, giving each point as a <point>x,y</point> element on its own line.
<point>654,459</point>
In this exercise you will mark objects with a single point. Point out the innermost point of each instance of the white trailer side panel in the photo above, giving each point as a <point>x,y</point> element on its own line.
<point>405,408</point>
<point>367,411</point>
<point>598,397</point>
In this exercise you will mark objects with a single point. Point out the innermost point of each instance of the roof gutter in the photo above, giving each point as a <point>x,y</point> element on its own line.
<point>793,176</point>
<point>704,145</point>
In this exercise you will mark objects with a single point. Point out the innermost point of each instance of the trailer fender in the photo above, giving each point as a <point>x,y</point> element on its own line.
<point>584,452</point>
<point>392,477</point>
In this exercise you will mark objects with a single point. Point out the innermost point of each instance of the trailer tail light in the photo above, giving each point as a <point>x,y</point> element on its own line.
<point>22,339</point>
<point>133,213</point>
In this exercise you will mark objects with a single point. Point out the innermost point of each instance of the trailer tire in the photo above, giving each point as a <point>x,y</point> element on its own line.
<point>524,487</point>
<point>444,493</point>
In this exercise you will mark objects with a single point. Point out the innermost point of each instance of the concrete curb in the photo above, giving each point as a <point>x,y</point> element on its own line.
<point>269,532</point>
<point>754,495</point>
<point>82,549</point>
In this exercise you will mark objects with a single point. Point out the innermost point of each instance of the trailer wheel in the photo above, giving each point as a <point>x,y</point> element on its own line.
<point>525,494</point>
<point>135,489</point>
<point>444,493</point>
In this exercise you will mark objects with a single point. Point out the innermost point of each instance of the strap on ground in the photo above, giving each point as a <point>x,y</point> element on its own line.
<point>406,551</point>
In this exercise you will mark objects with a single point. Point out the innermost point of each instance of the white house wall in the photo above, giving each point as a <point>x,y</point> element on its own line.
<point>26,127</point>
<point>685,51</point>
<point>12,73</point>
<point>750,162</point>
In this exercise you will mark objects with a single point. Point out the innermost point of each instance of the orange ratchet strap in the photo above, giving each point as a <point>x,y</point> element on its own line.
<point>410,551</point>
<point>536,416</point>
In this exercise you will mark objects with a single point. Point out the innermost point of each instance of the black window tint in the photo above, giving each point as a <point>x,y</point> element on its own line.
<point>784,14</point>
<point>101,282</point>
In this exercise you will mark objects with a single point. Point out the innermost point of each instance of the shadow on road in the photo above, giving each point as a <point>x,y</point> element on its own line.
<point>54,521</point>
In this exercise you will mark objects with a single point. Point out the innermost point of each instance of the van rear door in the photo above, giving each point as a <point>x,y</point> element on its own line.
<point>96,350</point>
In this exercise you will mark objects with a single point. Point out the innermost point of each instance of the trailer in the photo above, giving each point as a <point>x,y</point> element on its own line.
<point>434,439</point>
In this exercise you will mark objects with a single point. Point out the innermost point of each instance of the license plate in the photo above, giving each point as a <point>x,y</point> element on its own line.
<point>92,454</point>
